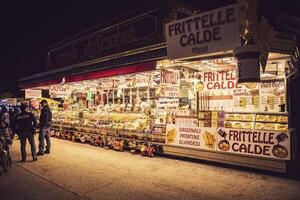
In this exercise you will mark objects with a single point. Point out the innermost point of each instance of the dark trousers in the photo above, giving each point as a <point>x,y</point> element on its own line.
<point>30,137</point>
<point>44,135</point>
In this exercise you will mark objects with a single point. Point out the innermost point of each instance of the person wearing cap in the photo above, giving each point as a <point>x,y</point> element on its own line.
<point>25,124</point>
<point>45,124</point>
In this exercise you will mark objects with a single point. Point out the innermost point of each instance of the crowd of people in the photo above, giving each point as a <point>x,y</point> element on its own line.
<point>20,121</point>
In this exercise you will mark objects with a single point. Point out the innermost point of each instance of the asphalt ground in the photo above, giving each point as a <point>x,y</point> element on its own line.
<point>78,171</point>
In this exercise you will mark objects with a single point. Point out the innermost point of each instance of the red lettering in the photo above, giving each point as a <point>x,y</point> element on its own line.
<point>209,86</point>
<point>205,77</point>
<point>228,76</point>
<point>222,75</point>
<point>230,84</point>
<point>210,76</point>
<point>217,85</point>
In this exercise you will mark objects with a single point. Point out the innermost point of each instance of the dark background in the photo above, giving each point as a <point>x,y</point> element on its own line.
<point>28,27</point>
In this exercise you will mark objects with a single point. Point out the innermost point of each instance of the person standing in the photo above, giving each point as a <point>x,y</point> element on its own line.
<point>45,124</point>
<point>5,116</point>
<point>11,116</point>
<point>25,125</point>
<point>13,121</point>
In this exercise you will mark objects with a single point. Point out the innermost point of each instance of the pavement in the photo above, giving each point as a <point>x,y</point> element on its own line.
<point>78,171</point>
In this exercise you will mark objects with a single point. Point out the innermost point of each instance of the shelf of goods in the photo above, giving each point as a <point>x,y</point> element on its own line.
<point>107,129</point>
<point>257,121</point>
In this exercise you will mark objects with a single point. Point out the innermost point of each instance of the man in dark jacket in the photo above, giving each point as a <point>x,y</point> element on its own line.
<point>45,124</point>
<point>17,111</point>
<point>25,124</point>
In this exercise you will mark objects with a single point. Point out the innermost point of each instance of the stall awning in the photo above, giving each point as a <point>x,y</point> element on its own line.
<point>112,72</point>
<point>122,70</point>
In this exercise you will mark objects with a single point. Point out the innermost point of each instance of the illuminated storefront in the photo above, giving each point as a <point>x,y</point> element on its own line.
<point>187,103</point>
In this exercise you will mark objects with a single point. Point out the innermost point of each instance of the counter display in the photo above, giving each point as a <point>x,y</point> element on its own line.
<point>119,131</point>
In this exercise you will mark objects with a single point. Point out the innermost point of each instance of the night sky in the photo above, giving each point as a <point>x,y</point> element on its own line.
<point>28,27</point>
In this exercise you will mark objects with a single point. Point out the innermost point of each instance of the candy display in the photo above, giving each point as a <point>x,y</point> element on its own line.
<point>111,130</point>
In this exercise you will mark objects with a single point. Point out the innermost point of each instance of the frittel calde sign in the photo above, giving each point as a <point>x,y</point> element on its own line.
<point>209,32</point>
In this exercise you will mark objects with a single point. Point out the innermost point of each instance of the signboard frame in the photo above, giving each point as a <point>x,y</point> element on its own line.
<point>209,32</point>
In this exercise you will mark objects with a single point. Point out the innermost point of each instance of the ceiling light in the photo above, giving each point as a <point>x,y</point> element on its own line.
<point>226,59</point>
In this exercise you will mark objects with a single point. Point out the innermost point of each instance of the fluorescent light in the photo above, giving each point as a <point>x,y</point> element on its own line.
<point>226,59</point>
<point>204,61</point>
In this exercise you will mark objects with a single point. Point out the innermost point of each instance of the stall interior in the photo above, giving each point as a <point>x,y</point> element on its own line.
<point>136,108</point>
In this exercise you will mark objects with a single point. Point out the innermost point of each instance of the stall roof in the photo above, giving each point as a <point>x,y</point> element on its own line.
<point>81,53</point>
<point>127,69</point>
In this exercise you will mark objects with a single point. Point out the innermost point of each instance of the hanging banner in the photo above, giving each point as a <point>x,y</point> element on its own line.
<point>216,89</point>
<point>269,144</point>
<point>58,91</point>
<point>217,80</point>
<point>192,137</point>
<point>209,32</point>
<point>30,94</point>
<point>169,77</point>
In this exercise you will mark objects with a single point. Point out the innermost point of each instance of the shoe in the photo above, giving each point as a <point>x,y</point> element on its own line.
<point>34,158</point>
<point>47,151</point>
<point>23,160</point>
<point>40,153</point>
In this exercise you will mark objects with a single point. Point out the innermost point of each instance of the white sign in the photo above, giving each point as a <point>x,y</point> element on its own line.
<point>168,91</point>
<point>109,84</point>
<point>270,144</point>
<point>30,94</point>
<point>272,96</point>
<point>217,87</point>
<point>209,32</point>
<point>55,88</point>
<point>192,137</point>
<point>59,94</point>
<point>246,98</point>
